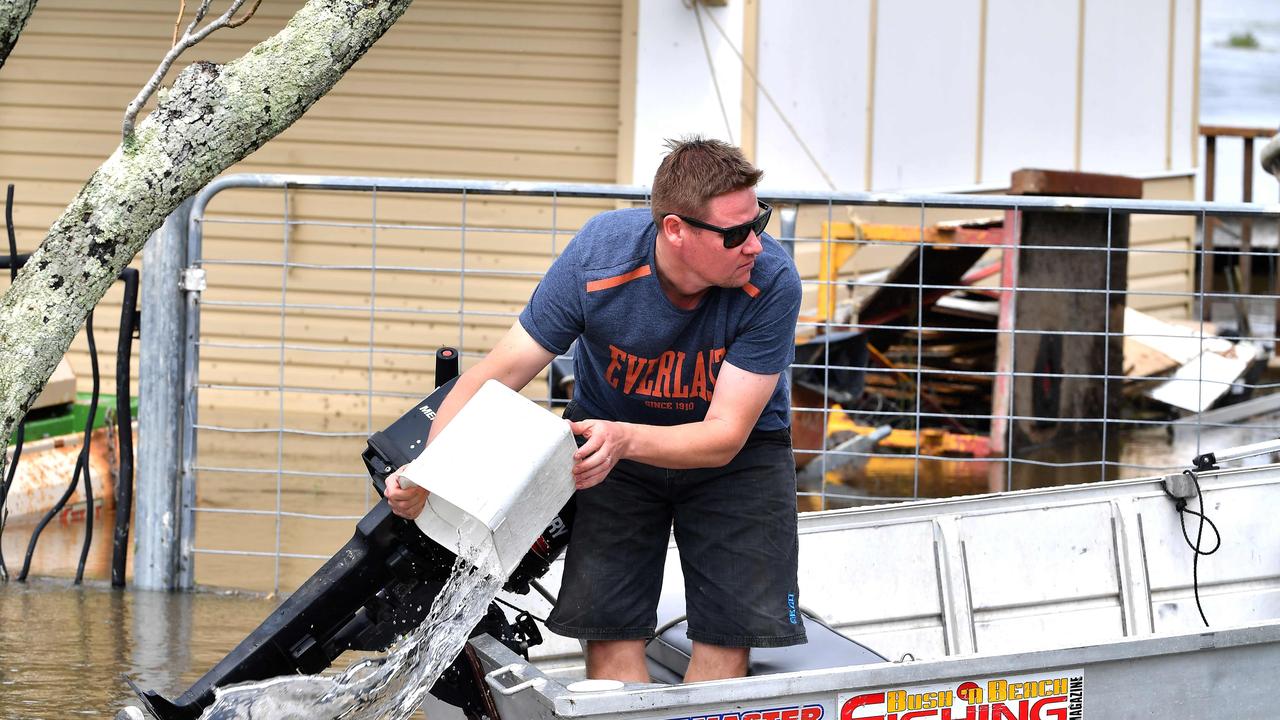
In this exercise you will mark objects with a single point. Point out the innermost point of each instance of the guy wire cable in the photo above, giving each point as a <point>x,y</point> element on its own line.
<point>773,103</point>
<point>711,66</point>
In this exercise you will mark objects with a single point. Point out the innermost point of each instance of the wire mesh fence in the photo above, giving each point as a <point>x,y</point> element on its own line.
<point>947,345</point>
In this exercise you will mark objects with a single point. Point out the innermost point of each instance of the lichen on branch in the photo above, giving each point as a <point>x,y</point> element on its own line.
<point>13,18</point>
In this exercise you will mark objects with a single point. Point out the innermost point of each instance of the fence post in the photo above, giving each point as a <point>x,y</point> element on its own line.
<point>1072,274</point>
<point>160,394</point>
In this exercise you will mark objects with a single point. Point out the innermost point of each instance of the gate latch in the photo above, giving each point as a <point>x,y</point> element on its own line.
<point>192,280</point>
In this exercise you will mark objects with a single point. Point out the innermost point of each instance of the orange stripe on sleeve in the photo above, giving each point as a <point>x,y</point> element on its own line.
<point>751,290</point>
<point>616,280</point>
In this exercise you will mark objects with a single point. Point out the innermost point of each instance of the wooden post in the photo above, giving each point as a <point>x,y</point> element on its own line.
<point>1070,280</point>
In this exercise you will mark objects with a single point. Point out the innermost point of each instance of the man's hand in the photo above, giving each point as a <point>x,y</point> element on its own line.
<point>405,499</point>
<point>606,444</point>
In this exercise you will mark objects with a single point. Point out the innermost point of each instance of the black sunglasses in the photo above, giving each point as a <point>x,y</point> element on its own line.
<point>738,234</point>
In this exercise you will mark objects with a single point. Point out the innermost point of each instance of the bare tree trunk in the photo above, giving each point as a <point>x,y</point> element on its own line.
<point>13,17</point>
<point>213,117</point>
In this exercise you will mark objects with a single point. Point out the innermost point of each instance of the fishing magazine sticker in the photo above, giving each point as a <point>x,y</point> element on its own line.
<point>1052,695</point>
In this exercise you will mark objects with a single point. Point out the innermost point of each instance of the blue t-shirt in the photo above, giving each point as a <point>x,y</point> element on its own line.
<point>642,359</point>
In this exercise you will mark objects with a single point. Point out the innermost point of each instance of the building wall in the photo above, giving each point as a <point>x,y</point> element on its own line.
<point>923,94</point>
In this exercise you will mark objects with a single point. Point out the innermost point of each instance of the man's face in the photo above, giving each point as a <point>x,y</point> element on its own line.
<point>704,250</point>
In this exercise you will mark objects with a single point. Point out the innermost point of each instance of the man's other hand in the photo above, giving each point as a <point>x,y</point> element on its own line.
<point>405,498</point>
<point>605,446</point>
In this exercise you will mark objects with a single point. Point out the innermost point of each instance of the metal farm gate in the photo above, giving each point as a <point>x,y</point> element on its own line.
<point>948,344</point>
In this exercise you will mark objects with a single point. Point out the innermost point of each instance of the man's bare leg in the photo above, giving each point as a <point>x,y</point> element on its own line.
<point>617,660</point>
<point>713,662</point>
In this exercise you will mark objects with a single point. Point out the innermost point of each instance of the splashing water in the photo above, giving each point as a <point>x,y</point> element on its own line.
<point>392,686</point>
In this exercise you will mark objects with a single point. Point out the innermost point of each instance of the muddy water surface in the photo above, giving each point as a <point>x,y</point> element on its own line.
<point>65,650</point>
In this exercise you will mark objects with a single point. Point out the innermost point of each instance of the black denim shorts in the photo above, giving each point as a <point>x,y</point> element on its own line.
<point>735,528</point>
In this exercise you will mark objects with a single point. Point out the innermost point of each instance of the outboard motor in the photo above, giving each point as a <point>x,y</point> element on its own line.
<point>376,588</point>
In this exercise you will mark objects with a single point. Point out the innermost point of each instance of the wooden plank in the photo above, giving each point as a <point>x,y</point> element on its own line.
<point>284,156</point>
<point>501,259</point>
<point>283,9</point>
<point>397,207</point>
<point>235,408</point>
<point>409,61</point>
<point>421,15</point>
<point>94,129</point>
<point>423,287</point>
<point>359,81</point>
<point>227,236</point>
<point>337,105</point>
<point>1178,187</point>
<point>550,42</point>
<point>1170,256</point>
<point>1075,184</point>
<point>461,163</point>
<point>330,379</point>
<point>1139,297</point>
<point>1236,131</point>
<point>1144,229</point>
<point>263,321</point>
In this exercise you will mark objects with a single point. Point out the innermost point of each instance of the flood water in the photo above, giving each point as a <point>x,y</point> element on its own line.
<point>65,650</point>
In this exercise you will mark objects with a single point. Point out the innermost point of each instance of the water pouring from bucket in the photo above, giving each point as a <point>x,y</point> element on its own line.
<point>485,504</point>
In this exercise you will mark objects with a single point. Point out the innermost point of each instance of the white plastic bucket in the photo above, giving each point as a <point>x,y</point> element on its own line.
<point>497,475</point>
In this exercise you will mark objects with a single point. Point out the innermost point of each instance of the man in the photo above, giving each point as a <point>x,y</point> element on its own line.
<point>686,319</point>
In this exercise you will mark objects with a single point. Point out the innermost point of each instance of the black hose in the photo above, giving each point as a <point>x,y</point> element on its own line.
<point>124,424</point>
<point>84,451</point>
<point>82,464</point>
<point>13,262</point>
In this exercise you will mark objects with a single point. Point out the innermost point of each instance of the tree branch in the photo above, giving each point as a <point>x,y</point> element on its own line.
<point>189,38</point>
<point>245,18</point>
<point>213,117</point>
<point>13,18</point>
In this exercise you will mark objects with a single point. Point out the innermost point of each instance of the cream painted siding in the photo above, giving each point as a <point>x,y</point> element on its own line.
<point>468,89</point>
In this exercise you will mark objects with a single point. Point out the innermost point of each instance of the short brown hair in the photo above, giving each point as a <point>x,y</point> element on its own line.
<point>695,170</point>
